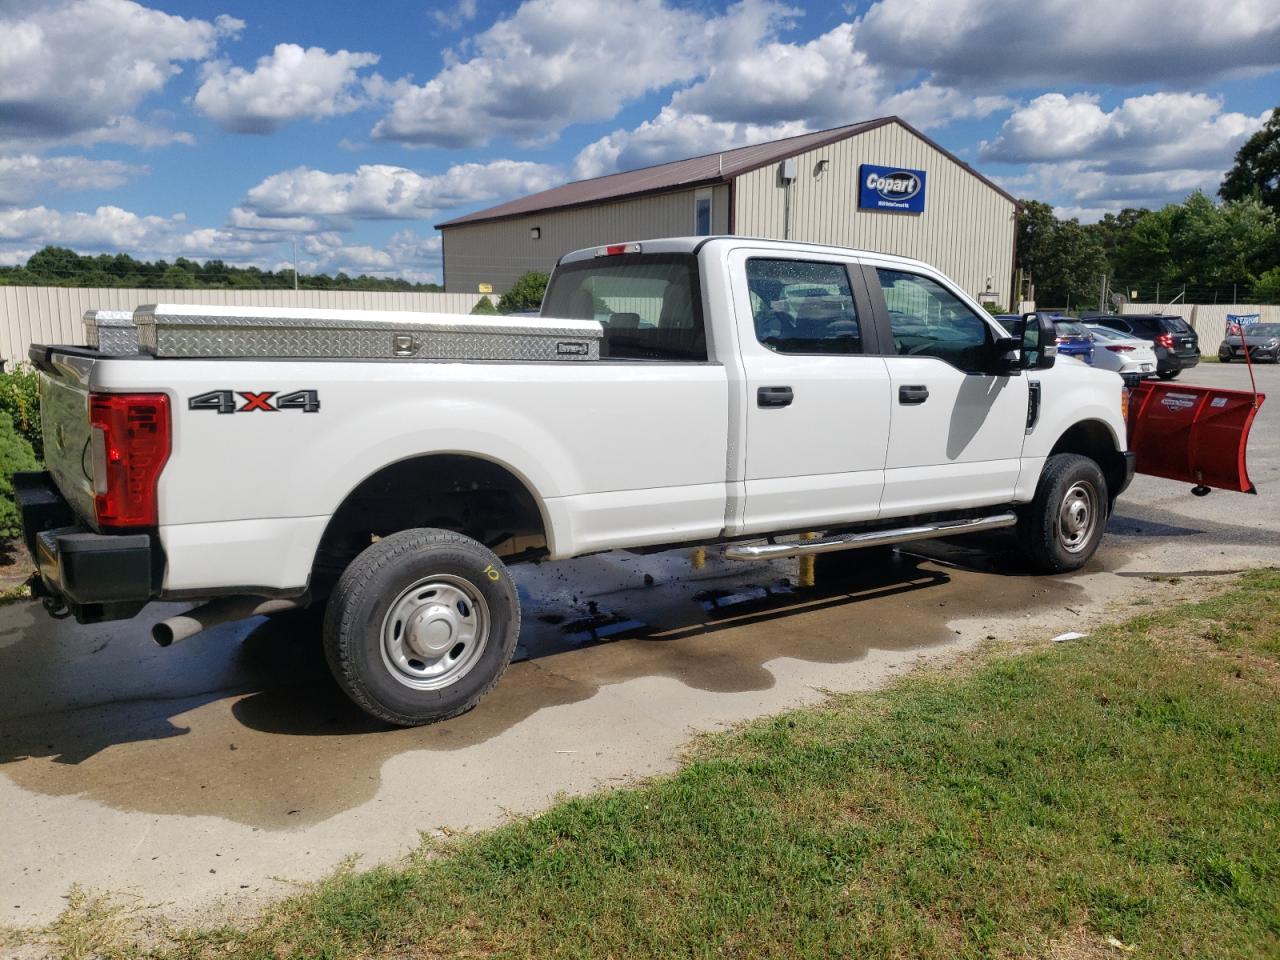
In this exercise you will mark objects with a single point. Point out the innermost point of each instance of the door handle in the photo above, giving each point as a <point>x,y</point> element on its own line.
<point>774,397</point>
<point>913,395</point>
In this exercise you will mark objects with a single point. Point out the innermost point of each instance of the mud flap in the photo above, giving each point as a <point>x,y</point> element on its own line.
<point>1195,434</point>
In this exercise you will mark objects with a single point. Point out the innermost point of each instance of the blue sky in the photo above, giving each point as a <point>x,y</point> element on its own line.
<point>233,129</point>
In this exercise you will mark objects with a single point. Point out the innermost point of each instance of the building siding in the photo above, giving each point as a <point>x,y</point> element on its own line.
<point>55,314</point>
<point>499,251</point>
<point>966,229</point>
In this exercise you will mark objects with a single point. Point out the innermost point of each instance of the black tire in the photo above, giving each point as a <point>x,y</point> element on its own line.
<point>1048,544</point>
<point>1222,359</point>
<point>1169,374</point>
<point>383,663</point>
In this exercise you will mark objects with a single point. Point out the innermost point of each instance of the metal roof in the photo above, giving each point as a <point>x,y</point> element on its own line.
<point>718,167</point>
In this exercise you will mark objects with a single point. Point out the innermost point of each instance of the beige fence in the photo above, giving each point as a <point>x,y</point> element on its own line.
<point>53,314</point>
<point>1209,320</point>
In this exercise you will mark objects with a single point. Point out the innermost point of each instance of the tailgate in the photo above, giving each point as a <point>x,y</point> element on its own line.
<point>64,420</point>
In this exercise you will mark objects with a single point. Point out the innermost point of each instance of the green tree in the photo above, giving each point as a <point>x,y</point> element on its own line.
<point>525,294</point>
<point>484,307</point>
<point>15,455</point>
<point>1064,260</point>
<point>1256,171</point>
<point>1267,289</point>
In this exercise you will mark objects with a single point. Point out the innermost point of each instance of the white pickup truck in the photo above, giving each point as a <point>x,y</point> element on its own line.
<point>700,391</point>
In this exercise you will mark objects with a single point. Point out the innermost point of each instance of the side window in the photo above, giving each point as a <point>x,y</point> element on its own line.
<point>801,306</point>
<point>928,320</point>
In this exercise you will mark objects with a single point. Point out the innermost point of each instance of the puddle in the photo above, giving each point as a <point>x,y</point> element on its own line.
<point>244,721</point>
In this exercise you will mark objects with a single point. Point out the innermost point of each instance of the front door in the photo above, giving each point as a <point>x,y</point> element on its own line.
<point>956,430</point>
<point>816,394</point>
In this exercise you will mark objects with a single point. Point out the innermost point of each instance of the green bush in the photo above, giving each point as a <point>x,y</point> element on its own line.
<point>20,399</point>
<point>525,294</point>
<point>484,307</point>
<point>15,455</point>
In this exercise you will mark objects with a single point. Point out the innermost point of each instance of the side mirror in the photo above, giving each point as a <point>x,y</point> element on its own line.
<point>1039,341</point>
<point>1008,356</point>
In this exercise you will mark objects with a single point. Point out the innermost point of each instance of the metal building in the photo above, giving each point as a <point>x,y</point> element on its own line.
<point>879,185</point>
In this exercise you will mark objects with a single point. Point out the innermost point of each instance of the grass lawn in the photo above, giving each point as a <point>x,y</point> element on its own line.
<point>1110,797</point>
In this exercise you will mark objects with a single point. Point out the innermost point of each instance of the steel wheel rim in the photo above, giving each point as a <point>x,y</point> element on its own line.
<point>1077,516</point>
<point>435,632</point>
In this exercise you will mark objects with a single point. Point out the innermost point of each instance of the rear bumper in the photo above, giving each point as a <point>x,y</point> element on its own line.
<point>1167,362</point>
<point>94,576</point>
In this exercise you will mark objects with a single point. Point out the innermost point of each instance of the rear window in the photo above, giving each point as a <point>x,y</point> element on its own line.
<point>1174,325</point>
<point>1069,328</point>
<point>649,305</point>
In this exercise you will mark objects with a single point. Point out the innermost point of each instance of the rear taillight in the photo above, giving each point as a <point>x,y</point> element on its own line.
<point>129,444</point>
<point>1165,340</point>
<point>1061,340</point>
<point>1118,348</point>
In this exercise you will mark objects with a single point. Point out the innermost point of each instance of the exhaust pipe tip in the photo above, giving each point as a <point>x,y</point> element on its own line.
<point>162,634</point>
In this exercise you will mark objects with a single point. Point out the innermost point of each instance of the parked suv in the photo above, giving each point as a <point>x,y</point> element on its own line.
<point>1176,345</point>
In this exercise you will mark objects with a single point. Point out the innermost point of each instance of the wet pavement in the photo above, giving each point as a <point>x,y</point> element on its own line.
<point>225,768</point>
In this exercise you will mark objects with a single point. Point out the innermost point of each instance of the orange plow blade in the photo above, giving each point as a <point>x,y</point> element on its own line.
<point>1195,434</point>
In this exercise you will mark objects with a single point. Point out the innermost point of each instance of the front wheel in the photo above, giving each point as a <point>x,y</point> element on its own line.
<point>421,625</point>
<point>1223,359</point>
<point>1060,529</point>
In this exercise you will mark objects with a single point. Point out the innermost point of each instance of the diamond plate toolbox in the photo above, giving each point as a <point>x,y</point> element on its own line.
<point>192,330</point>
<point>111,331</point>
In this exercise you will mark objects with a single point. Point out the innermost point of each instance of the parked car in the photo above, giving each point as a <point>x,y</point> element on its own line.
<point>1176,345</point>
<point>1132,358</point>
<point>412,459</point>
<point>1262,341</point>
<point>1073,339</point>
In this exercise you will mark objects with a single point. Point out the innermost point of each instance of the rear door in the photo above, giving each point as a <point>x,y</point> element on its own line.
<point>817,393</point>
<point>956,434</point>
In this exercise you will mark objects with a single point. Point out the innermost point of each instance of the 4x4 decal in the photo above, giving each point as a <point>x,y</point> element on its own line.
<point>225,401</point>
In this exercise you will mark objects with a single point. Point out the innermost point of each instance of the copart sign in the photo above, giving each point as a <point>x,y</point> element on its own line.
<point>890,188</point>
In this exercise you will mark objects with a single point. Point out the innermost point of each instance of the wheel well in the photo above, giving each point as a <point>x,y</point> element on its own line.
<point>466,494</point>
<point>1092,439</point>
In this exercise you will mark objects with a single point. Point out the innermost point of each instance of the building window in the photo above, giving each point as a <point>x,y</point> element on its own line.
<point>803,307</point>
<point>702,213</point>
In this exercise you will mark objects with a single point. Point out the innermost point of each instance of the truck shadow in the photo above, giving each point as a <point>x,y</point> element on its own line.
<point>269,739</point>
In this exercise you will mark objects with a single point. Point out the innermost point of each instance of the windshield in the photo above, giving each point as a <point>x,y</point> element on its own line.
<point>649,305</point>
<point>1070,328</point>
<point>1263,330</point>
<point>1102,333</point>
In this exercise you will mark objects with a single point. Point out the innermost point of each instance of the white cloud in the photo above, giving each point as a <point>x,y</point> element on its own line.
<point>108,228</point>
<point>384,192</point>
<point>556,62</point>
<point>672,136</point>
<point>76,70</point>
<point>978,44</point>
<point>288,84</point>
<point>1154,131</point>
<point>1148,151</point>
<point>23,175</point>
<point>406,254</point>
<point>755,91</point>
<point>452,18</point>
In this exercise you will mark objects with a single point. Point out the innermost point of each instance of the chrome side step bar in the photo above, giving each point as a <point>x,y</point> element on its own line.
<point>875,538</point>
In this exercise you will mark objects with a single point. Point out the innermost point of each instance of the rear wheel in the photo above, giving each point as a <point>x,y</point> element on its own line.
<point>421,625</point>
<point>1060,529</point>
<point>1168,374</point>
